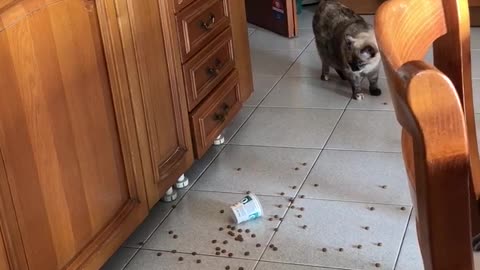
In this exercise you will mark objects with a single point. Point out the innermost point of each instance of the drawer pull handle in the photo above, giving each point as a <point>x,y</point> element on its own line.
<point>222,116</point>
<point>215,70</point>
<point>219,117</point>
<point>209,24</point>
<point>226,108</point>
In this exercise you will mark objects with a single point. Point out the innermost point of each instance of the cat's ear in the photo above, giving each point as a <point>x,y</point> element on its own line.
<point>349,40</point>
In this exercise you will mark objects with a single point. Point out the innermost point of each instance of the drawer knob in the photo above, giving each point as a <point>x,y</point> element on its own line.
<point>222,116</point>
<point>215,70</point>
<point>219,117</point>
<point>208,25</point>
<point>226,108</point>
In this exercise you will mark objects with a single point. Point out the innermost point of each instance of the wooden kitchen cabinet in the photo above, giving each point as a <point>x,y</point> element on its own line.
<point>160,108</point>
<point>94,122</point>
<point>71,184</point>
<point>212,59</point>
<point>93,128</point>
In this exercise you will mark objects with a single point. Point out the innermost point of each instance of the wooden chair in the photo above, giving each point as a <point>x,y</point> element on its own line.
<point>434,105</point>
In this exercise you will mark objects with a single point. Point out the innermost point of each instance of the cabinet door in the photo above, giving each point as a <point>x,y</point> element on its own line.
<point>4,265</point>
<point>279,16</point>
<point>75,198</point>
<point>162,110</point>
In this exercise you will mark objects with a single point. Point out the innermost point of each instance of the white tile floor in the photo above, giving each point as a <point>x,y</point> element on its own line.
<point>304,138</point>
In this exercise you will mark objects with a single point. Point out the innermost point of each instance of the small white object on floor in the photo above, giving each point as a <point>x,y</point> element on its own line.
<point>182,182</point>
<point>170,196</point>
<point>219,140</point>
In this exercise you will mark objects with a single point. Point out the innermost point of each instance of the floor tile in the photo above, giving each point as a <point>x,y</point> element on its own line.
<point>301,128</point>
<point>475,38</point>
<point>476,64</point>
<point>149,260</point>
<point>410,257</point>
<point>262,86</point>
<point>308,93</point>
<point>251,31</point>
<point>197,219</point>
<point>368,131</point>
<point>282,266</point>
<point>237,123</point>
<point>156,216</point>
<point>368,177</point>
<point>262,170</point>
<point>308,65</point>
<point>334,225</point>
<point>476,95</point>
<point>304,20</point>
<point>274,63</point>
<point>264,39</point>
<point>377,103</point>
<point>312,47</point>
<point>199,166</point>
<point>120,259</point>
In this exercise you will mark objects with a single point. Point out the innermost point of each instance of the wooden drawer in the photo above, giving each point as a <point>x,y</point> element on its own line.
<point>208,68</point>
<point>180,4</point>
<point>214,114</point>
<point>200,23</point>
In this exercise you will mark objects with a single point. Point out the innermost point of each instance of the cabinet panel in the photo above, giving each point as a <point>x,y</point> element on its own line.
<point>162,109</point>
<point>200,23</point>
<point>3,254</point>
<point>208,68</point>
<point>59,137</point>
<point>214,113</point>
<point>241,48</point>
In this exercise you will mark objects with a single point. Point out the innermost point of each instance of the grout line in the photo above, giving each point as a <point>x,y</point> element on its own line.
<point>318,155</point>
<point>329,109</point>
<point>307,198</point>
<point>319,148</point>
<point>199,254</point>
<point>307,265</point>
<point>176,202</point>
<point>291,203</point>
<point>337,149</point>
<point>403,239</point>
<point>179,199</point>
<point>131,259</point>
<point>227,142</point>
<point>269,91</point>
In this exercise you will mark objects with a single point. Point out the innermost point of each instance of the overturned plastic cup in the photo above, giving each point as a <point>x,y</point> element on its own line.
<point>249,208</point>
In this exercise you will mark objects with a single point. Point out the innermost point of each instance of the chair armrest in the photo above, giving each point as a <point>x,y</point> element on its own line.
<point>436,154</point>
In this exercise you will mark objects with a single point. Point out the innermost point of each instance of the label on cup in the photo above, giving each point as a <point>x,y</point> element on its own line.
<point>249,208</point>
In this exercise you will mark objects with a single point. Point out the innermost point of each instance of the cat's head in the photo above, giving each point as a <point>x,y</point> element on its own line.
<point>363,50</point>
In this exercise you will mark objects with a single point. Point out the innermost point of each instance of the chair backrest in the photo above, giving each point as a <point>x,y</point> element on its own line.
<point>434,105</point>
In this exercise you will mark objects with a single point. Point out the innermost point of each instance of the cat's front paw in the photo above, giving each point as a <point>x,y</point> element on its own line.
<point>358,96</point>
<point>375,92</point>
<point>324,77</point>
